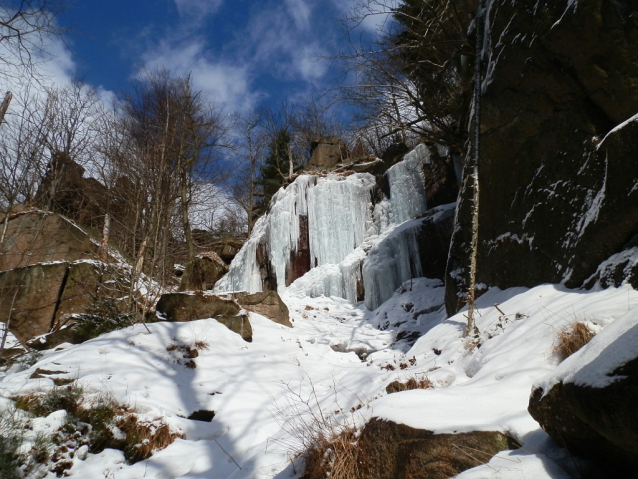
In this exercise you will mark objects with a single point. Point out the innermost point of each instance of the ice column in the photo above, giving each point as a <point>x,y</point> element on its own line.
<point>243,274</point>
<point>391,262</point>
<point>407,186</point>
<point>284,224</point>
<point>339,216</point>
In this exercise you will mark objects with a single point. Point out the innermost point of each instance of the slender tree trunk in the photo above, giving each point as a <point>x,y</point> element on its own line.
<point>5,105</point>
<point>290,164</point>
<point>106,230</point>
<point>471,329</point>
<point>188,234</point>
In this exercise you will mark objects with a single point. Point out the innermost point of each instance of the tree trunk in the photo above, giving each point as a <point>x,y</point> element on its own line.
<point>5,105</point>
<point>104,247</point>
<point>471,329</point>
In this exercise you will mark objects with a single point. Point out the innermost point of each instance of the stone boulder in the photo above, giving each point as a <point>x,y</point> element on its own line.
<point>619,269</point>
<point>37,299</point>
<point>227,248</point>
<point>559,142</point>
<point>41,237</point>
<point>189,307</point>
<point>266,303</point>
<point>203,272</point>
<point>327,152</point>
<point>182,307</point>
<point>387,450</point>
<point>590,406</point>
<point>394,153</point>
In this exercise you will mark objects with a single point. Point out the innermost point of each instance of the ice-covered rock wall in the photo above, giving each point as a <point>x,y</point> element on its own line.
<point>319,230</point>
<point>391,262</point>
<point>407,185</point>
<point>413,249</point>
<point>339,214</point>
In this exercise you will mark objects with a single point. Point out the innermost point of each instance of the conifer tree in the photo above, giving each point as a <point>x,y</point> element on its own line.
<point>275,169</point>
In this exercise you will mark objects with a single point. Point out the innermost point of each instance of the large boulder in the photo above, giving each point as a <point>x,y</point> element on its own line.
<point>266,303</point>
<point>387,450</point>
<point>34,237</point>
<point>181,307</point>
<point>588,405</point>
<point>37,299</point>
<point>188,307</point>
<point>203,272</point>
<point>327,152</point>
<point>558,149</point>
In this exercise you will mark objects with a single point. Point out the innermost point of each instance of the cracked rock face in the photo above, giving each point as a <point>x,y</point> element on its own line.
<point>597,423</point>
<point>558,169</point>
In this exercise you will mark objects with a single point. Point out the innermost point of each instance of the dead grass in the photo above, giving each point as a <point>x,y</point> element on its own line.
<point>336,456</point>
<point>572,339</point>
<point>145,438</point>
<point>412,383</point>
<point>93,422</point>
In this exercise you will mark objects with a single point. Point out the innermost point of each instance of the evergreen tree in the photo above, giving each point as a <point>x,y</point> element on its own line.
<point>275,169</point>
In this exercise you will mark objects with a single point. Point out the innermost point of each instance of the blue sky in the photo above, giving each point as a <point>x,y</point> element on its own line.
<point>243,53</point>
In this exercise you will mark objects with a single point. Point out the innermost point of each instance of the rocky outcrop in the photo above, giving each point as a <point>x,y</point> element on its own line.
<point>41,237</point>
<point>621,268</point>
<point>387,450</point>
<point>203,272</point>
<point>327,152</point>
<point>65,190</point>
<point>266,303</point>
<point>37,299</point>
<point>588,405</point>
<point>181,307</point>
<point>227,310</point>
<point>559,142</point>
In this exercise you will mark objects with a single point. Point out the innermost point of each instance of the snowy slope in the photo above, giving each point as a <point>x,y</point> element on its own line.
<point>262,391</point>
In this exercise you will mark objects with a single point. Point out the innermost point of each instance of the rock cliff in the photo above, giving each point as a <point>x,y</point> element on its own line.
<point>559,143</point>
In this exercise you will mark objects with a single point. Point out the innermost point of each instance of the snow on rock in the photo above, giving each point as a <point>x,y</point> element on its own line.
<point>595,363</point>
<point>407,185</point>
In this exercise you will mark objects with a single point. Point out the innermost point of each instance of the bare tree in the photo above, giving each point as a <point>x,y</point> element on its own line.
<point>25,27</point>
<point>175,137</point>
<point>415,75</point>
<point>253,141</point>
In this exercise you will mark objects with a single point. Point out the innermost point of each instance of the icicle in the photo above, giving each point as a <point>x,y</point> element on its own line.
<point>339,215</point>
<point>407,186</point>
<point>243,274</point>
<point>391,262</point>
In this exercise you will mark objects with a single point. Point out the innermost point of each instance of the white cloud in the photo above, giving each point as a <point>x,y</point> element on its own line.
<point>197,9</point>
<point>224,82</point>
<point>283,49</point>
<point>300,11</point>
<point>369,16</point>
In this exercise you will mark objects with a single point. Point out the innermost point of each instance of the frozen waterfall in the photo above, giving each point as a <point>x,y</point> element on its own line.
<point>350,244</point>
<point>391,262</point>
<point>407,185</point>
<point>339,212</point>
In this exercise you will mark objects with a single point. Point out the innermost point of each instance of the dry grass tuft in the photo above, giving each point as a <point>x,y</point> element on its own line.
<point>334,456</point>
<point>412,383</point>
<point>200,345</point>
<point>144,438</point>
<point>572,339</point>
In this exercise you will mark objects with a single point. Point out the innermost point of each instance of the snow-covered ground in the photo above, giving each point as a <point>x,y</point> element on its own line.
<point>337,357</point>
